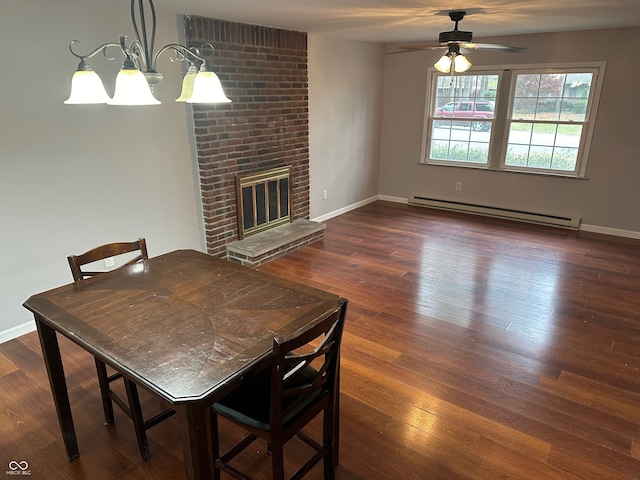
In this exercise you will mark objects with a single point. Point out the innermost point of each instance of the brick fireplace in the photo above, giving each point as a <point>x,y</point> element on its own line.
<point>264,72</point>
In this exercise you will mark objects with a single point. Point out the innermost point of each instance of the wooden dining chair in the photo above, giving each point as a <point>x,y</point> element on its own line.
<point>131,407</point>
<point>277,403</point>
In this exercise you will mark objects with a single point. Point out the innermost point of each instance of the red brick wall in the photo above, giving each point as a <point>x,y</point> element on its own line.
<point>264,72</point>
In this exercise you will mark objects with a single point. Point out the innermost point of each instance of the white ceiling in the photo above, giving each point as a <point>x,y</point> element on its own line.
<point>390,21</point>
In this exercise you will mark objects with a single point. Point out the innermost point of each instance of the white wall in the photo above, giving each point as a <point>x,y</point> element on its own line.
<point>606,201</point>
<point>345,108</point>
<point>74,177</point>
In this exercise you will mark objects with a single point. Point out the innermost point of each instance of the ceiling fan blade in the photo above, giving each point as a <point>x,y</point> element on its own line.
<point>490,46</point>
<point>418,48</point>
<point>471,46</point>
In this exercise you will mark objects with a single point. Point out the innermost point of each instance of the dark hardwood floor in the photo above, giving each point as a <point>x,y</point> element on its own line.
<point>474,349</point>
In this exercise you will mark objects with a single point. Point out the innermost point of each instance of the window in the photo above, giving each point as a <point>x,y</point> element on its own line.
<point>536,120</point>
<point>463,110</point>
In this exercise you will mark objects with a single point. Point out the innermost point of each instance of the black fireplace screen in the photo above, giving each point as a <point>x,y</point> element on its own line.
<point>264,200</point>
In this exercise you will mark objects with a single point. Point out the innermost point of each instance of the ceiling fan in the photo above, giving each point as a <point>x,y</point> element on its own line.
<point>456,38</point>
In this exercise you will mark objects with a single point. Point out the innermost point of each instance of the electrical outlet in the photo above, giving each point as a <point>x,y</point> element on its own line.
<point>109,262</point>
<point>458,185</point>
<point>324,194</point>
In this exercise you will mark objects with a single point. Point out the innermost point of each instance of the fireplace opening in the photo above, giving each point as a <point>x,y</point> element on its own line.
<point>264,200</point>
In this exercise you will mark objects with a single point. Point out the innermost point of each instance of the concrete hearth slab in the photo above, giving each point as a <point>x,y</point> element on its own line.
<point>274,240</point>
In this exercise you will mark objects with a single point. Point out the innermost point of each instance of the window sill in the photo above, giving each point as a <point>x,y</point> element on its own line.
<point>503,170</point>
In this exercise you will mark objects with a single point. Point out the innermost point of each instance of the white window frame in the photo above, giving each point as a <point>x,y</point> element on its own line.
<point>503,104</point>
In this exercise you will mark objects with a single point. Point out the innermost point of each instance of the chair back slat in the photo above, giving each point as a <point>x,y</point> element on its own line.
<point>305,367</point>
<point>109,250</point>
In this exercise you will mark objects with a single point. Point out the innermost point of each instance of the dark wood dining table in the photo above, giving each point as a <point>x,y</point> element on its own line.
<point>185,325</point>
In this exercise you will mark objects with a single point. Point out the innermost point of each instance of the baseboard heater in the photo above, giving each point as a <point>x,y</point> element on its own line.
<point>518,215</point>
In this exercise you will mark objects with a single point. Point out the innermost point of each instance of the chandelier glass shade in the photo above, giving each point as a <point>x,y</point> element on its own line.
<point>132,87</point>
<point>87,87</point>
<point>207,89</point>
<point>187,84</point>
<point>136,80</point>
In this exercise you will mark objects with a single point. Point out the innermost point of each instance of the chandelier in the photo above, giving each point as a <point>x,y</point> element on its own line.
<point>136,80</point>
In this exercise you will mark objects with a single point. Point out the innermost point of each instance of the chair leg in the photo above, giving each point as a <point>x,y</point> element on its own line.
<point>107,404</point>
<point>215,444</point>
<point>277,461</point>
<point>329,442</point>
<point>136,417</point>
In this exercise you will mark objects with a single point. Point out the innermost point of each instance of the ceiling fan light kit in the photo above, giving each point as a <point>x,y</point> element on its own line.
<point>452,61</point>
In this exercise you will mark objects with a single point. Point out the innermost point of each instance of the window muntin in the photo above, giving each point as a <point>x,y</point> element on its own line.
<point>544,126</point>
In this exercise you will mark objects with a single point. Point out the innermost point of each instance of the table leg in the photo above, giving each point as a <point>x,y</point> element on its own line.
<point>197,446</point>
<point>55,370</point>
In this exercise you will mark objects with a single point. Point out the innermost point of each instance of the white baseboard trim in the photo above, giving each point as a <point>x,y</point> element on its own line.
<point>346,209</point>
<point>616,232</point>
<point>15,332</point>
<point>388,198</point>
